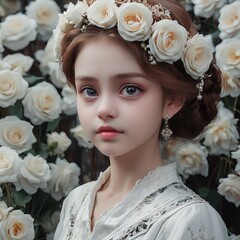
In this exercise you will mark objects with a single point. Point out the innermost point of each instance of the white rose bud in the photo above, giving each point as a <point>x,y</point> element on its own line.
<point>168,41</point>
<point>16,133</point>
<point>45,56</point>
<point>12,87</point>
<point>4,211</point>
<point>63,142</point>
<point>10,164</point>
<point>65,177</point>
<point>134,21</point>
<point>76,13</point>
<point>42,103</point>
<point>230,84</point>
<point>56,75</point>
<point>192,159</point>
<point>82,140</point>
<point>34,173</point>
<point>102,14</point>
<point>17,226</point>
<point>18,31</point>
<point>197,56</point>
<point>221,136</point>
<point>19,61</point>
<point>230,188</point>
<point>206,8</point>
<point>228,56</point>
<point>69,100</point>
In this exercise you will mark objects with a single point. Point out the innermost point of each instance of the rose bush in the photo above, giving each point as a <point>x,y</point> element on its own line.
<point>35,105</point>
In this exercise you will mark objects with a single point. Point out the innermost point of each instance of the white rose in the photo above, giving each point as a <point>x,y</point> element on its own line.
<point>17,226</point>
<point>65,177</point>
<point>221,135</point>
<point>16,133</point>
<point>80,137</point>
<point>10,7</point>
<point>229,20</point>
<point>76,13</point>
<point>206,8</point>
<point>45,56</point>
<point>58,34</point>
<point>4,211</point>
<point>167,41</point>
<point>228,56</point>
<point>197,56</point>
<point>12,87</point>
<point>57,77</point>
<point>4,66</point>
<point>46,15</point>
<point>19,61</point>
<point>230,188</point>
<point>102,13</point>
<point>191,159</point>
<point>18,31</point>
<point>134,21</point>
<point>69,100</point>
<point>69,19</point>
<point>42,103</point>
<point>63,142</point>
<point>34,173</point>
<point>10,164</point>
<point>230,84</point>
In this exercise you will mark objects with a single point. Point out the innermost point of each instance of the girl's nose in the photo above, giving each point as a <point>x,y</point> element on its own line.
<point>106,108</point>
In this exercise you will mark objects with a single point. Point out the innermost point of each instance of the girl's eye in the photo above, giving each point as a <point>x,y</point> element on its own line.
<point>130,91</point>
<point>88,92</point>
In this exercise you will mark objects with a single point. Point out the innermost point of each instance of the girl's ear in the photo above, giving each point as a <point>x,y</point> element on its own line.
<point>172,105</point>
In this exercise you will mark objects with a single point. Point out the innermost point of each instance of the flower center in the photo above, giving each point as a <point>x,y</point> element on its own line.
<point>17,228</point>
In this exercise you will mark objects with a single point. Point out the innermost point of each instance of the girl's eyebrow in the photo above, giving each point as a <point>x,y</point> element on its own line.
<point>119,76</point>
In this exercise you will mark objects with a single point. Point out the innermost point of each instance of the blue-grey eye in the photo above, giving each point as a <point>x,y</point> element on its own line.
<point>130,90</point>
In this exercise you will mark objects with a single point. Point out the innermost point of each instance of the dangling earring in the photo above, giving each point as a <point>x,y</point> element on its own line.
<point>166,132</point>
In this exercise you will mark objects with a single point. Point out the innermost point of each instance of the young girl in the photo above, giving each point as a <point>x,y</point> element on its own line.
<point>140,71</point>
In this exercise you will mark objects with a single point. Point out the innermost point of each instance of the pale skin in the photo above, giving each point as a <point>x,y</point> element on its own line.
<point>121,113</point>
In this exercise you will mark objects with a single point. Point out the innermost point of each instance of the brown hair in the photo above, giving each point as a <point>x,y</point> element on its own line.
<point>190,121</point>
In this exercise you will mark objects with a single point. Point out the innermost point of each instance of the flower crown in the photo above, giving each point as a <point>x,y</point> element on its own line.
<point>164,39</point>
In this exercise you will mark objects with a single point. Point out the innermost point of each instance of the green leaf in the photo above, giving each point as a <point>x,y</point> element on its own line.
<point>211,195</point>
<point>21,198</point>
<point>16,110</point>
<point>43,150</point>
<point>53,125</point>
<point>33,79</point>
<point>203,192</point>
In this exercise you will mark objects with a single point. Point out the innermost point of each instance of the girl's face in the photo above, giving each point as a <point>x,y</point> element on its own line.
<point>119,109</point>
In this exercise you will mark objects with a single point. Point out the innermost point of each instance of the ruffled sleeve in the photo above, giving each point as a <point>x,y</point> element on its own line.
<point>198,221</point>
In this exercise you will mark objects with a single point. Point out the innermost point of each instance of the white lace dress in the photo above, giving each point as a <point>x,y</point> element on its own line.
<point>159,207</point>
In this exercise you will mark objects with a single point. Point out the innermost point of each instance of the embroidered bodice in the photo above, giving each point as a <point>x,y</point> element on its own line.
<point>159,207</point>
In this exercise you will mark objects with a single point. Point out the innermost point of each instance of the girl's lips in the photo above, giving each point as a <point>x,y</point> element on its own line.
<point>107,132</point>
